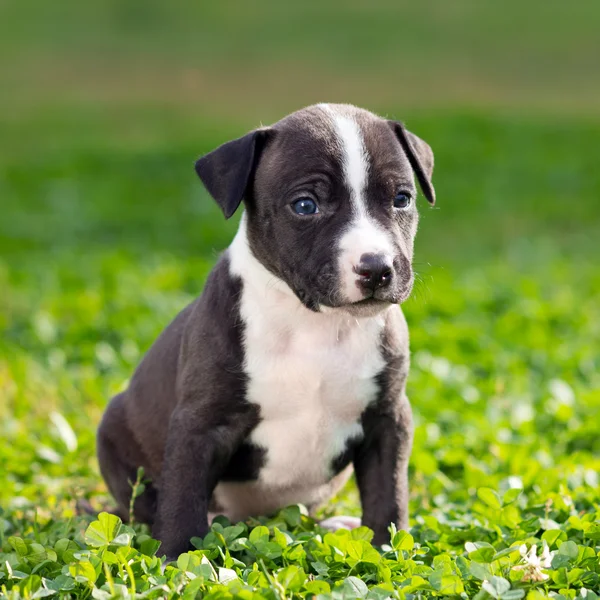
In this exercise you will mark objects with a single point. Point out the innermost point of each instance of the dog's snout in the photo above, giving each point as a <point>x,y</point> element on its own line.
<point>375,271</point>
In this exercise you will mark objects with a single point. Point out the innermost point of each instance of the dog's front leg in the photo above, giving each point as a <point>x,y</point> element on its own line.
<point>381,466</point>
<point>196,455</point>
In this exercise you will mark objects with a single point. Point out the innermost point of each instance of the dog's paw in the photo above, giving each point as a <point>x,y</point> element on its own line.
<point>340,522</point>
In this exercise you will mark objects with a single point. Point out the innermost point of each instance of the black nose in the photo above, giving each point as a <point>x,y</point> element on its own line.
<point>374,271</point>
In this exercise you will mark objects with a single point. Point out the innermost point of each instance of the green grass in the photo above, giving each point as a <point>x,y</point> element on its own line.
<point>105,233</point>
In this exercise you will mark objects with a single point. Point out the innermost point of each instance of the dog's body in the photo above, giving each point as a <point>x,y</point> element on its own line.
<point>291,366</point>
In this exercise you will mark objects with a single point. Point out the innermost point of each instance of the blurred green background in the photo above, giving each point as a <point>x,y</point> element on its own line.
<point>105,105</point>
<point>105,232</point>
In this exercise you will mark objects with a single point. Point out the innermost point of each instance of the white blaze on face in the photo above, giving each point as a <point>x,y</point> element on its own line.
<point>363,234</point>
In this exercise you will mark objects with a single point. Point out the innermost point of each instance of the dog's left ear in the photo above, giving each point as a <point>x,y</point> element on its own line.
<point>227,171</point>
<point>420,156</point>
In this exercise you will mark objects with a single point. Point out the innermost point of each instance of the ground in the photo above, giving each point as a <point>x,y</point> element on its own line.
<point>105,233</point>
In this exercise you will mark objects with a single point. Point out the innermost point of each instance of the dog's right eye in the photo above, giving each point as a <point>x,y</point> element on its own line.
<point>305,206</point>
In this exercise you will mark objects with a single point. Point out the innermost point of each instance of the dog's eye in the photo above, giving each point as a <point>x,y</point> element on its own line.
<point>305,206</point>
<point>402,200</point>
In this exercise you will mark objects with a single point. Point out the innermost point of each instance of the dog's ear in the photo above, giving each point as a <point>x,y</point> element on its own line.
<point>227,171</point>
<point>420,156</point>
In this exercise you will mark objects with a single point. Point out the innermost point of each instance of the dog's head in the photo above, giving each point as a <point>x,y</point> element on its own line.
<point>330,197</point>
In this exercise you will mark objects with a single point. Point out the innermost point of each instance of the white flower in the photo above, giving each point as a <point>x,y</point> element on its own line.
<point>533,564</point>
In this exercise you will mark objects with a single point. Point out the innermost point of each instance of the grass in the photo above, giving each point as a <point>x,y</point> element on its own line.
<point>105,234</point>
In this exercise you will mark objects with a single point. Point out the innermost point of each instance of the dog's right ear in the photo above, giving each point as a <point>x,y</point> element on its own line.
<point>227,171</point>
<point>420,157</point>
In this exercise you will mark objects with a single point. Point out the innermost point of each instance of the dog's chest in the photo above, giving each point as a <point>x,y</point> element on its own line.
<point>312,375</point>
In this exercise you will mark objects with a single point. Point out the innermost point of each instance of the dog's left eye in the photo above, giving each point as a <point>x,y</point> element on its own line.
<point>305,206</point>
<point>402,200</point>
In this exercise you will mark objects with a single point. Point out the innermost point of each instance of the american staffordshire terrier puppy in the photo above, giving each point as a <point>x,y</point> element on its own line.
<point>290,369</point>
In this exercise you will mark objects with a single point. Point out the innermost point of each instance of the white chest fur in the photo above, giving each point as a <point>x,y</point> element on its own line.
<point>311,374</point>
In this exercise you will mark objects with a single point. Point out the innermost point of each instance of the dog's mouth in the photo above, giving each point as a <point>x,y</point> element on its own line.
<point>396,296</point>
<point>371,301</point>
<point>370,304</point>
<point>367,307</point>
<point>359,307</point>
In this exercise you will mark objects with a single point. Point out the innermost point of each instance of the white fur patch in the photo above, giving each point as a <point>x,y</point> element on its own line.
<point>311,374</point>
<point>340,522</point>
<point>355,158</point>
<point>363,235</point>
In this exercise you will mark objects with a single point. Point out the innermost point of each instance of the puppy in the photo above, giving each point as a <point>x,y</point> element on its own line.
<point>290,369</point>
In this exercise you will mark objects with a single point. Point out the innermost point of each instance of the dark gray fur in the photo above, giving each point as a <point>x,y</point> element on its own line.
<point>185,417</point>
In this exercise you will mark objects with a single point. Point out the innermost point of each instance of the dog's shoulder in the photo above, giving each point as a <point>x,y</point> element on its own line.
<point>216,310</point>
<point>395,351</point>
<point>395,337</point>
<point>211,353</point>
